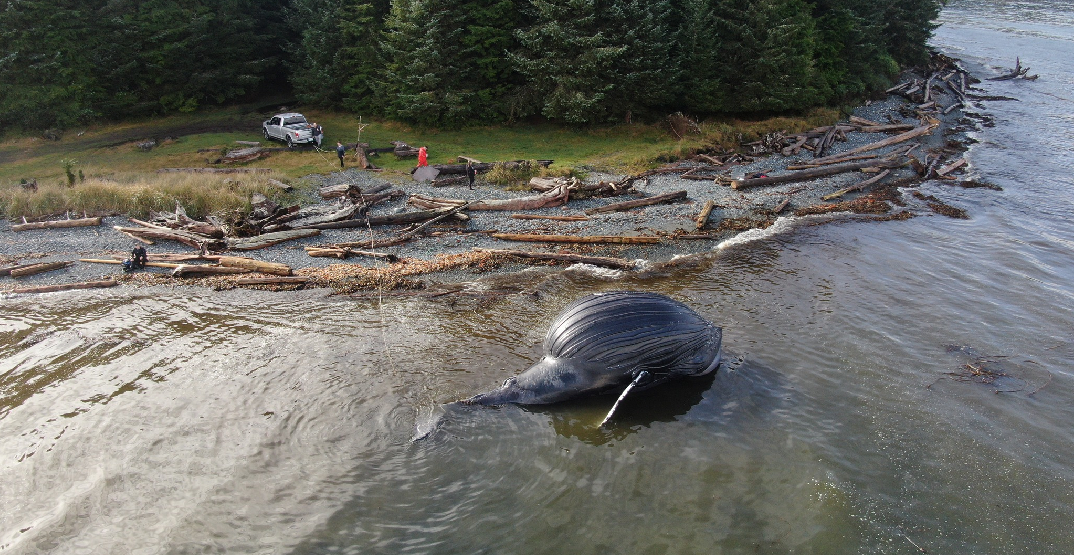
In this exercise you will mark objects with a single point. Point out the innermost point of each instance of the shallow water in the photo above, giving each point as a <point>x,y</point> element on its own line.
<point>177,420</point>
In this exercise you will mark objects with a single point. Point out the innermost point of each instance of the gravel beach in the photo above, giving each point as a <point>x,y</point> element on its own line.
<point>736,212</point>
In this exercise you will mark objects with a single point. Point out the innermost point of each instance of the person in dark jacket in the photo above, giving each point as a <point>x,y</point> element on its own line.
<point>471,173</point>
<point>318,133</point>
<point>340,151</point>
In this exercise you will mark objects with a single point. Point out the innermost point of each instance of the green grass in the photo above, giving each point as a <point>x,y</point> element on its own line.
<point>122,178</point>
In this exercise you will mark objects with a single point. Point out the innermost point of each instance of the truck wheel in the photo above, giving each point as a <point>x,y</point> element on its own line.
<point>267,137</point>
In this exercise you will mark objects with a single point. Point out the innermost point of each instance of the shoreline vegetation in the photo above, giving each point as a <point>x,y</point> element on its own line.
<point>628,219</point>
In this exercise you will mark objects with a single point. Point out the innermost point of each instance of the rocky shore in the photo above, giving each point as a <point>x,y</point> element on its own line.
<point>452,253</point>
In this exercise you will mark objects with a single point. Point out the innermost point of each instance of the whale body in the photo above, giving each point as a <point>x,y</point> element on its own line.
<point>613,342</point>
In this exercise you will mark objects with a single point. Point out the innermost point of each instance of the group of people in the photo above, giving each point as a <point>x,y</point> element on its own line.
<point>423,153</point>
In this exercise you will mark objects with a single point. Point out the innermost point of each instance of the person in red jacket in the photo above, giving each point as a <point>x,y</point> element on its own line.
<point>422,157</point>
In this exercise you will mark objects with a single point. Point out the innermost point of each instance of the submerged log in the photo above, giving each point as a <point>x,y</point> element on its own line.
<point>576,239</point>
<point>58,224</point>
<point>627,205</point>
<point>603,261</point>
<point>270,239</point>
<point>66,286</point>
<point>32,269</point>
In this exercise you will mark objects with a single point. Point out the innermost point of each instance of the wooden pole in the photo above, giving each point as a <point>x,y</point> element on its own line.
<point>33,269</point>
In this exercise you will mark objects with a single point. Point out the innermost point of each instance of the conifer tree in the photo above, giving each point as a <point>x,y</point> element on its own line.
<point>764,58</point>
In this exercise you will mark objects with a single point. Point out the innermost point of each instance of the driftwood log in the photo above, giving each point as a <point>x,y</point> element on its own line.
<point>858,186</point>
<point>703,216</point>
<point>187,270</point>
<point>191,239</point>
<point>66,286</point>
<point>58,224</point>
<point>344,252</point>
<point>603,261</point>
<point>32,269</point>
<point>916,132</point>
<point>555,197</point>
<point>577,239</point>
<point>627,205</point>
<point>270,239</point>
<point>273,268</point>
<point>815,173</point>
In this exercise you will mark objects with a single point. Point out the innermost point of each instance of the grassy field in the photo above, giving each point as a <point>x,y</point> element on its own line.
<point>101,169</point>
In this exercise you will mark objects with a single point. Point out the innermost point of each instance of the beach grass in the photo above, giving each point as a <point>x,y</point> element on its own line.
<point>102,169</point>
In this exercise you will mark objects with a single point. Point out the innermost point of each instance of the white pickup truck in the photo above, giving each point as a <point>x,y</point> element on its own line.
<point>291,128</point>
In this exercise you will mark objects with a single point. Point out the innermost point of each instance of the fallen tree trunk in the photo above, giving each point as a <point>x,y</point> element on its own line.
<point>58,224</point>
<point>270,239</point>
<point>65,286</point>
<point>627,205</point>
<point>804,175</point>
<point>576,239</point>
<point>603,261</point>
<point>32,269</point>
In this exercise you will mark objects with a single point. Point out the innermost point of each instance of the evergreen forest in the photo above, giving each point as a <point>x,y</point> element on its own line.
<point>451,62</point>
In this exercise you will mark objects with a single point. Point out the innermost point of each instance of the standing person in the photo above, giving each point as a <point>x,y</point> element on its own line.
<point>422,157</point>
<point>318,133</point>
<point>471,173</point>
<point>340,151</point>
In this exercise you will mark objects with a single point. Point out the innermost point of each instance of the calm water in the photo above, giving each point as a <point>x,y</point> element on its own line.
<point>183,421</point>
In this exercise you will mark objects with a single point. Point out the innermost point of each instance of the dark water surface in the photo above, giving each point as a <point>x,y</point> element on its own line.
<point>849,419</point>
